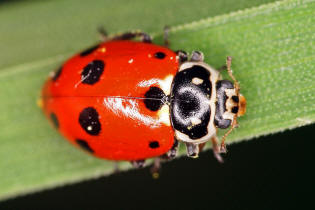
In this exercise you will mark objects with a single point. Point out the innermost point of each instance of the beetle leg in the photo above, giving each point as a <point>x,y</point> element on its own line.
<point>138,163</point>
<point>133,34</point>
<point>201,146</point>
<point>172,152</point>
<point>192,150</point>
<point>116,167</point>
<point>165,37</point>
<point>103,33</point>
<point>182,56</point>
<point>197,56</point>
<point>156,167</point>
<point>222,68</point>
<point>216,149</point>
<point>124,36</point>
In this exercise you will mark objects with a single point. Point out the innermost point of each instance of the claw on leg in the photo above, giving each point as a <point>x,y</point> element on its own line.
<point>192,150</point>
<point>223,148</point>
<point>155,169</point>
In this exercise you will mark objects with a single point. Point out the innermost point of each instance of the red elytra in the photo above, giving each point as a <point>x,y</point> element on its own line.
<point>97,99</point>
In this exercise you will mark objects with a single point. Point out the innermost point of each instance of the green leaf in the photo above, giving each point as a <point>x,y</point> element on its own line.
<point>271,46</point>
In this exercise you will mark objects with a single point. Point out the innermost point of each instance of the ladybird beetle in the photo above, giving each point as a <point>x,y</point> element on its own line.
<point>131,100</point>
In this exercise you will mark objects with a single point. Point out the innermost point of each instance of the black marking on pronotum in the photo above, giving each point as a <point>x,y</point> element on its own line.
<point>219,121</point>
<point>159,55</point>
<point>235,99</point>
<point>234,109</point>
<point>89,121</point>
<point>92,72</point>
<point>154,144</point>
<point>150,98</point>
<point>54,120</point>
<point>89,50</point>
<point>57,74</point>
<point>84,145</point>
<point>190,101</point>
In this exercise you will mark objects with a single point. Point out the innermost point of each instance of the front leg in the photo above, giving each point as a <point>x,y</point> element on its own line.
<point>182,56</point>
<point>192,150</point>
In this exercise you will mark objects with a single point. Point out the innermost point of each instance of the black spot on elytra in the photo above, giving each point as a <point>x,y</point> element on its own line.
<point>92,72</point>
<point>235,99</point>
<point>234,109</point>
<point>89,50</point>
<point>159,55</point>
<point>57,74</point>
<point>154,144</point>
<point>153,98</point>
<point>54,120</point>
<point>84,145</point>
<point>89,121</point>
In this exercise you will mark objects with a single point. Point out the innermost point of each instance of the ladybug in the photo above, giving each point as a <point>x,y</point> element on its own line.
<point>131,100</point>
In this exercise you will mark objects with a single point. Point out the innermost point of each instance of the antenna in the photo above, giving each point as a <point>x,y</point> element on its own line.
<point>237,88</point>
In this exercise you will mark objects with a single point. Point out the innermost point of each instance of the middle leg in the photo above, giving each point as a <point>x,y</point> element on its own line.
<point>125,36</point>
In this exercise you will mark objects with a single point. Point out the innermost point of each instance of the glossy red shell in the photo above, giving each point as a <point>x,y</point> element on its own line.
<point>127,125</point>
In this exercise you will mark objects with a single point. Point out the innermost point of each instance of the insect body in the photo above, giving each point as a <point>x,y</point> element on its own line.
<point>129,100</point>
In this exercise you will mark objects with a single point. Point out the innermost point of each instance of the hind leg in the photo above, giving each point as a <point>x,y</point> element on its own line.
<point>171,154</point>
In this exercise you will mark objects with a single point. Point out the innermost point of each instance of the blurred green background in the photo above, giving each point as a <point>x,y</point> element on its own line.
<point>273,172</point>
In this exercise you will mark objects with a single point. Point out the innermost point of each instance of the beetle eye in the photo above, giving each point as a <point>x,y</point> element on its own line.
<point>235,99</point>
<point>234,109</point>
